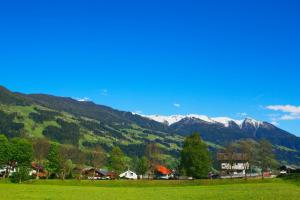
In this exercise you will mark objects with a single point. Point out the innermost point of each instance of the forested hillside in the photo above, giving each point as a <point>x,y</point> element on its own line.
<point>86,125</point>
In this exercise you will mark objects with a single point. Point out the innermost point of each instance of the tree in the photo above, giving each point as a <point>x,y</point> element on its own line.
<point>21,175</point>
<point>97,157</point>
<point>116,160</point>
<point>4,149</point>
<point>21,152</point>
<point>66,169</point>
<point>41,149</point>
<point>266,157</point>
<point>20,157</point>
<point>195,159</point>
<point>53,164</point>
<point>230,151</point>
<point>153,154</point>
<point>249,148</point>
<point>141,165</point>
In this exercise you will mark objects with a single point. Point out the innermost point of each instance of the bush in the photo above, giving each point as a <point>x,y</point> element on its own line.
<point>293,176</point>
<point>21,175</point>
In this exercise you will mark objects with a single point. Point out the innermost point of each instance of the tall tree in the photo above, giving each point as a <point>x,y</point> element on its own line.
<point>97,157</point>
<point>153,154</point>
<point>66,168</point>
<point>41,149</point>
<point>21,152</point>
<point>116,160</point>
<point>249,148</point>
<point>266,157</point>
<point>4,149</point>
<point>53,165</point>
<point>20,157</point>
<point>141,165</point>
<point>195,159</point>
<point>230,151</point>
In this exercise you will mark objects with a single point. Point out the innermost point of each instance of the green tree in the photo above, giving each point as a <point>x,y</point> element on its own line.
<point>266,157</point>
<point>21,152</point>
<point>141,165</point>
<point>116,160</point>
<point>4,149</point>
<point>22,174</point>
<point>249,148</point>
<point>53,165</point>
<point>66,169</point>
<point>195,158</point>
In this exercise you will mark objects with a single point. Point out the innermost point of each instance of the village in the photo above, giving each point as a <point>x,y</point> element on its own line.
<point>236,167</point>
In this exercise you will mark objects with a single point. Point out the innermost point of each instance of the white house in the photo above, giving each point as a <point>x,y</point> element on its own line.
<point>129,175</point>
<point>237,168</point>
<point>9,169</point>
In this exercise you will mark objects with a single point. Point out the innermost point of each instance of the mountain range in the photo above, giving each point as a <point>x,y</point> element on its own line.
<point>85,124</point>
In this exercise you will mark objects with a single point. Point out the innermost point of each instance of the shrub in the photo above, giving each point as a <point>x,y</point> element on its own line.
<point>21,175</point>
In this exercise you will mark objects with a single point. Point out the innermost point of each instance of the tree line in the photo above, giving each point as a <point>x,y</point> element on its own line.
<point>61,161</point>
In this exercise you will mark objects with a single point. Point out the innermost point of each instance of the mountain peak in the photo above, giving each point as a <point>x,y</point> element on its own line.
<point>253,122</point>
<point>225,121</point>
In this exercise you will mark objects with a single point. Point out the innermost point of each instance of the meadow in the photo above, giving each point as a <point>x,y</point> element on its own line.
<point>146,190</point>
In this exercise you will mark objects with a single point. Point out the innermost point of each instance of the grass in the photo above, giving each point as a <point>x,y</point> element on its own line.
<point>146,190</point>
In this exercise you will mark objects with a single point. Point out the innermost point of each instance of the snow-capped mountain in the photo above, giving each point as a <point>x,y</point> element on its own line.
<point>172,119</point>
<point>225,121</point>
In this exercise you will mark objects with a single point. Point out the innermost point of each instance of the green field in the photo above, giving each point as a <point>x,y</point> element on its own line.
<point>146,190</point>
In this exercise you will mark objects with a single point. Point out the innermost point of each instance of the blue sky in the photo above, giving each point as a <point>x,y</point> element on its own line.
<point>218,58</point>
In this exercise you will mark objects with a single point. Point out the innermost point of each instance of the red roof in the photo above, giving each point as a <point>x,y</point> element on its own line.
<point>163,170</point>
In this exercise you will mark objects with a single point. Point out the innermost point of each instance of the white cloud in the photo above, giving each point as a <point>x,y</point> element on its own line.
<point>290,117</point>
<point>275,123</point>
<point>285,108</point>
<point>84,99</point>
<point>292,112</point>
<point>104,92</point>
<point>243,114</point>
<point>177,105</point>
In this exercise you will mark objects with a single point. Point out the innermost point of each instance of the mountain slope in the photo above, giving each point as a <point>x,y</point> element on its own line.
<point>86,124</point>
<point>222,131</point>
<point>91,110</point>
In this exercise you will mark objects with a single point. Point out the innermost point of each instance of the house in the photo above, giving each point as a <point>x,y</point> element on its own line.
<point>161,172</point>
<point>129,175</point>
<point>7,169</point>
<point>233,164</point>
<point>92,173</point>
<point>38,170</point>
<point>106,175</point>
<point>288,169</point>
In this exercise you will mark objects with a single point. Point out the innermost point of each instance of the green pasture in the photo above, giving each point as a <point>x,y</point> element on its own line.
<point>146,190</point>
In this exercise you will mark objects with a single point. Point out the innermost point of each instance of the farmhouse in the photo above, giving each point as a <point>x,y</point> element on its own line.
<point>105,174</point>
<point>288,169</point>
<point>129,175</point>
<point>7,170</point>
<point>95,174</point>
<point>38,170</point>
<point>233,164</point>
<point>161,172</point>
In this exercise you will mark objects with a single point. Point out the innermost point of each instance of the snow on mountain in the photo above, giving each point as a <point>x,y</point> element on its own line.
<point>226,121</point>
<point>165,119</point>
<point>253,122</point>
<point>172,119</point>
